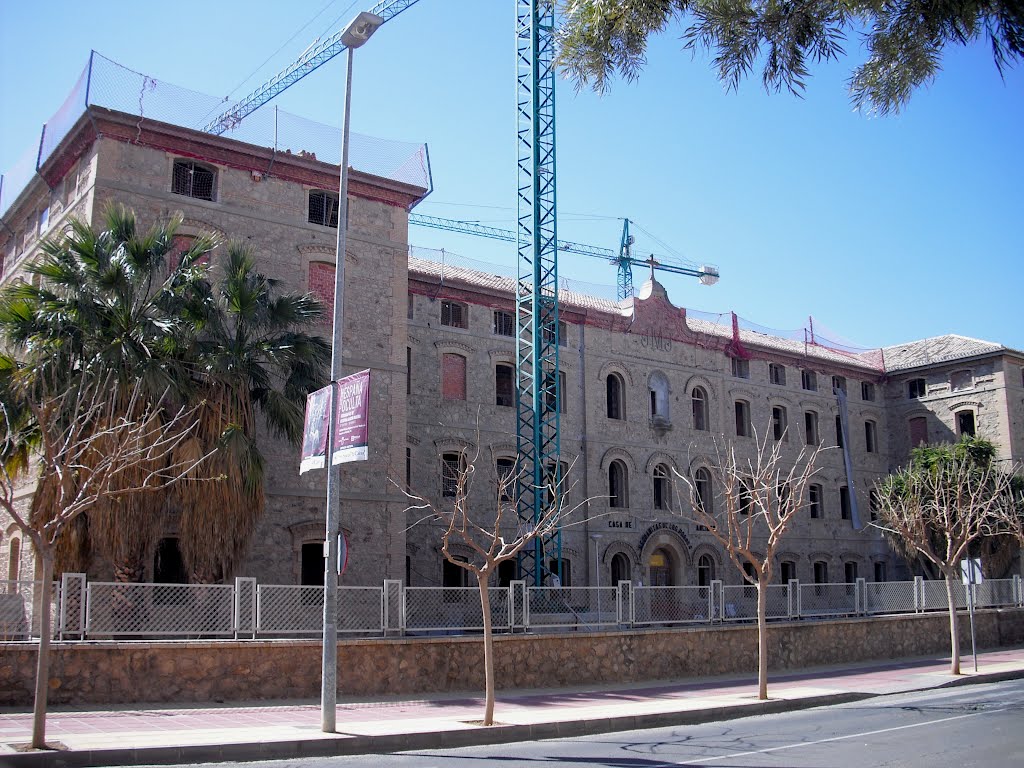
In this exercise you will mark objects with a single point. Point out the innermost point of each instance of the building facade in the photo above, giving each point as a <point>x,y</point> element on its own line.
<point>646,390</point>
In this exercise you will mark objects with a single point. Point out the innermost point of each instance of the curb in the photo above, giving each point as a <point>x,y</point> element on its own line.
<point>342,745</point>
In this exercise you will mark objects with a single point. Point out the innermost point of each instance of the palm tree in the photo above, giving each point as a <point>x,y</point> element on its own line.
<point>107,302</point>
<point>251,356</point>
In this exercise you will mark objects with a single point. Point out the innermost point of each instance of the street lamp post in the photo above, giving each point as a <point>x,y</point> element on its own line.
<point>355,34</point>
<point>597,570</point>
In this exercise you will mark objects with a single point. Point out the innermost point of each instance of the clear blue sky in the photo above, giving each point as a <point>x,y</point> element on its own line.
<point>885,230</point>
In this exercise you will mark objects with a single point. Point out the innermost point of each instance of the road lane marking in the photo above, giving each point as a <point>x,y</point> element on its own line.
<point>734,755</point>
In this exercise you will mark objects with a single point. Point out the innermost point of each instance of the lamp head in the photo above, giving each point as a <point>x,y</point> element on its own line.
<point>360,29</point>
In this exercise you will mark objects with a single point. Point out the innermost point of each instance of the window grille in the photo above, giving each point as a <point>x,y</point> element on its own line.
<point>323,208</point>
<point>504,324</point>
<point>192,180</point>
<point>454,314</point>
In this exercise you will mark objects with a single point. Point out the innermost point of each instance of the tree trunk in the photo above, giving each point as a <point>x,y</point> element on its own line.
<point>954,633</point>
<point>762,640</point>
<point>485,607</point>
<point>43,656</point>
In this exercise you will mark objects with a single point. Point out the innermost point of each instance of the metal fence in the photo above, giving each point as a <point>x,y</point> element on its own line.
<point>245,609</point>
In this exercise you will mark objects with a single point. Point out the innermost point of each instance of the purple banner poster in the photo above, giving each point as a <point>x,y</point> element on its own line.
<point>314,433</point>
<point>351,431</point>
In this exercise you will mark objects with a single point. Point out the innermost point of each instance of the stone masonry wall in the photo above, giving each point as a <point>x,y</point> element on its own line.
<point>105,673</point>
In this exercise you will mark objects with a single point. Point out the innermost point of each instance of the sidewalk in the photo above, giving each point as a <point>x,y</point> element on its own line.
<point>136,734</point>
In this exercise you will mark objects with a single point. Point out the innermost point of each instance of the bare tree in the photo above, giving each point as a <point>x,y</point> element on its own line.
<point>81,439</point>
<point>758,499</point>
<point>493,533</point>
<point>939,505</point>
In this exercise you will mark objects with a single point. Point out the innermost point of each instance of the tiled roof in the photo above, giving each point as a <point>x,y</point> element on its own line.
<point>939,349</point>
<point>753,339</point>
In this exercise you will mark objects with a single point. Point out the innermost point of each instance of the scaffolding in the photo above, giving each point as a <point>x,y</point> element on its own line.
<point>105,83</point>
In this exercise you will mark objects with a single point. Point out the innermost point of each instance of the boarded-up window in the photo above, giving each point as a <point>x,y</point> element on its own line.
<point>453,377</point>
<point>918,431</point>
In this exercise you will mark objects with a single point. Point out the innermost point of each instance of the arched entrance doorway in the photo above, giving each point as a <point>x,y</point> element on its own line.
<point>620,568</point>
<point>661,567</point>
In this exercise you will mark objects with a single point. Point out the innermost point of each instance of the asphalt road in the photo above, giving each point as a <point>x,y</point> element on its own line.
<point>973,725</point>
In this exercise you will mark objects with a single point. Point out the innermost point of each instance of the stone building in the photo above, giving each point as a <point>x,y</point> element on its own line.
<point>645,388</point>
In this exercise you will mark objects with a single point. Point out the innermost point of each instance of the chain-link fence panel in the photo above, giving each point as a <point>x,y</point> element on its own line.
<point>828,600</point>
<point>72,606</point>
<point>437,609</point>
<point>889,597</point>
<point>995,593</point>
<point>299,610</point>
<point>671,605</point>
<point>560,607</point>
<point>160,610</point>
<point>934,598</point>
<point>17,608</point>
<point>739,602</point>
<point>289,610</point>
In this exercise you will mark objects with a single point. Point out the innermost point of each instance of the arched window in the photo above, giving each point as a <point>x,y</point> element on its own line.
<point>615,389</point>
<point>193,180</point>
<point>702,487</point>
<point>657,385</point>
<point>705,571</point>
<point>618,485</point>
<point>14,560</point>
<point>700,409</point>
<point>620,568</point>
<point>662,488</point>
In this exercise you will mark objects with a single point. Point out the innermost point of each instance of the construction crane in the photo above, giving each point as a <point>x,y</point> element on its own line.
<point>537,393</point>
<point>316,55</point>
<point>623,258</point>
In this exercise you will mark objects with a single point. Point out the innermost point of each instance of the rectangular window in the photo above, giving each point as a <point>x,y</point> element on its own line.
<point>873,504</point>
<point>867,391</point>
<point>409,308</point>
<point>408,370</point>
<point>779,422</point>
<point>965,423</point>
<point>408,467</point>
<point>961,380</point>
<point>844,502</point>
<point>839,382</point>
<point>814,501</point>
<point>879,571</point>
<point>740,368</point>
<point>454,314</point>
<point>323,208</point>
<point>452,467</point>
<point>850,569</point>
<point>742,419</point>
<point>809,381</point>
<point>811,428</point>
<point>788,571</point>
<point>839,432</point>
<point>504,323</point>
<point>870,437</point>
<point>453,377</point>
<point>561,334</point>
<point>506,479</point>
<point>916,388</point>
<point>504,385</point>
<point>820,572</point>
<point>777,374</point>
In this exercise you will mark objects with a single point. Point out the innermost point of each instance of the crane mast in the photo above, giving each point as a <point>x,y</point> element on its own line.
<point>537,395</point>
<point>537,401</point>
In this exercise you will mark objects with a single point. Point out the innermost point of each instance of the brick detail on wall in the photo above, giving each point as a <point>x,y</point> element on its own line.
<point>321,285</point>
<point>453,376</point>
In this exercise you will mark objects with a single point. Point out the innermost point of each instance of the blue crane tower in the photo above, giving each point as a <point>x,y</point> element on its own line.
<point>537,290</point>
